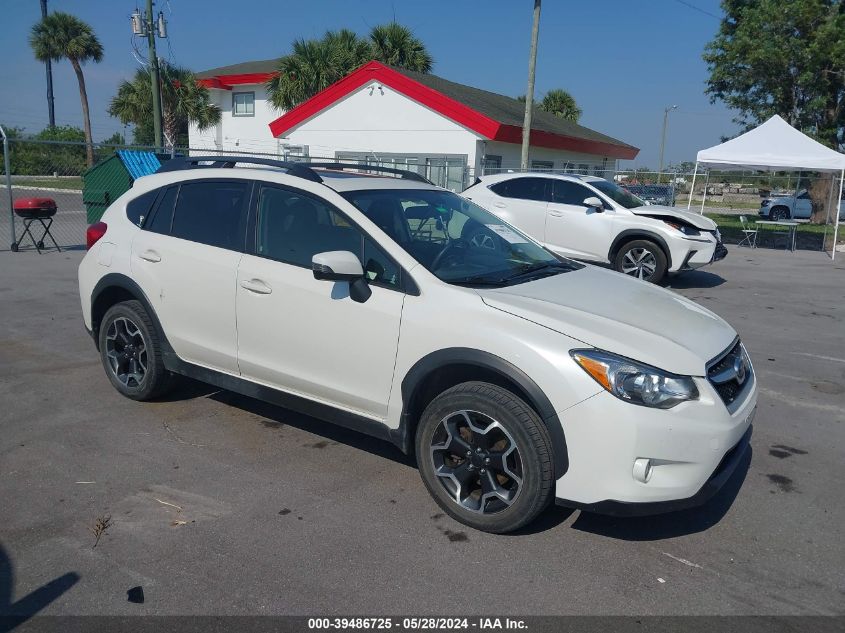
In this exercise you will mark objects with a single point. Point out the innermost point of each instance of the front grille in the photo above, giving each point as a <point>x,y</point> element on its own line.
<point>729,373</point>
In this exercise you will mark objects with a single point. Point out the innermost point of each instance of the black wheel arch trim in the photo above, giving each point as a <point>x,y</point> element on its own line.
<point>118,280</point>
<point>629,235</point>
<point>537,399</point>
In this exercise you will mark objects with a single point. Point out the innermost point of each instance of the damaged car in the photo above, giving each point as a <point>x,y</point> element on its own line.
<point>595,220</point>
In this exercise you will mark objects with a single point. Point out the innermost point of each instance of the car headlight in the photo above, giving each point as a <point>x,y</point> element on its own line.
<point>635,382</point>
<point>686,229</point>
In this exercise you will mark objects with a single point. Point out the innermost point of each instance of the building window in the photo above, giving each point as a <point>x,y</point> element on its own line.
<point>542,165</point>
<point>584,168</point>
<point>243,104</point>
<point>492,164</point>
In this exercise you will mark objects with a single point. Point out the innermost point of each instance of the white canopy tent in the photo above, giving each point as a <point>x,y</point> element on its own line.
<point>773,146</point>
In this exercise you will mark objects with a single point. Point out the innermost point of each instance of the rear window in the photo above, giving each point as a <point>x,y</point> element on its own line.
<point>211,212</point>
<point>139,209</point>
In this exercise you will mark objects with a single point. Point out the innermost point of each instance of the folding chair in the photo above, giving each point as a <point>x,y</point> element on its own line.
<point>749,236</point>
<point>39,210</point>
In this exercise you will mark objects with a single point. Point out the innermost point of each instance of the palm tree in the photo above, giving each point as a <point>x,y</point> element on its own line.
<point>395,44</point>
<point>314,65</point>
<point>61,36</point>
<point>183,100</point>
<point>562,104</point>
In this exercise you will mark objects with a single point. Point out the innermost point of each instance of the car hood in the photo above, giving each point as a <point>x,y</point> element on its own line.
<point>619,314</point>
<point>697,220</point>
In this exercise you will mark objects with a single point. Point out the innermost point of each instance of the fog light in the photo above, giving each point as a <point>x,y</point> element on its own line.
<point>642,470</point>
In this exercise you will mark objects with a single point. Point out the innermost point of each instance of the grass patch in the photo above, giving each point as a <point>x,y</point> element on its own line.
<point>726,221</point>
<point>71,183</point>
<point>808,236</point>
<point>727,204</point>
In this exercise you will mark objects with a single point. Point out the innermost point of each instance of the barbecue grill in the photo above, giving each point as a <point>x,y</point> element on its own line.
<point>39,210</point>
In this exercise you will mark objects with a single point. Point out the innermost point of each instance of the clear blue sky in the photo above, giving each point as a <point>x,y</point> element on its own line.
<point>623,61</point>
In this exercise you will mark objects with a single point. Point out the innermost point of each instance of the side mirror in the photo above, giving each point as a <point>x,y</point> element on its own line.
<point>594,203</point>
<point>342,266</point>
<point>337,266</point>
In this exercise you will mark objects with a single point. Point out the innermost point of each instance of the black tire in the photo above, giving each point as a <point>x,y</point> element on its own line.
<point>156,380</point>
<point>519,425</point>
<point>779,213</point>
<point>652,265</point>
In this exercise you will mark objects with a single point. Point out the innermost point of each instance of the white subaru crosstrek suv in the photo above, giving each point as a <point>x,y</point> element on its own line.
<point>593,219</point>
<point>515,376</point>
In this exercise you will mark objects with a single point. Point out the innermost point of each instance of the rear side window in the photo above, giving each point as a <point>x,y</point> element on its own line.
<point>211,212</point>
<point>139,209</point>
<point>162,218</point>
<point>523,188</point>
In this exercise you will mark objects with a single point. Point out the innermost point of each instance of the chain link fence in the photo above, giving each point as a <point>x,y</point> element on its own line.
<point>45,169</point>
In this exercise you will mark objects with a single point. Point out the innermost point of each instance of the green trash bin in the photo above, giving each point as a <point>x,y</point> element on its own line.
<point>106,181</point>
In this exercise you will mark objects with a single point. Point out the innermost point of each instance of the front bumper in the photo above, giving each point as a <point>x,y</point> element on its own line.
<point>693,449</point>
<point>720,476</point>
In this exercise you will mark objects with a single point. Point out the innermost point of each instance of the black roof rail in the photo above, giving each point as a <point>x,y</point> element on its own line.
<point>302,170</point>
<point>402,173</point>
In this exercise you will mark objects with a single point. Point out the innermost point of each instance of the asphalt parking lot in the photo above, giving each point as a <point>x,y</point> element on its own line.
<point>223,505</point>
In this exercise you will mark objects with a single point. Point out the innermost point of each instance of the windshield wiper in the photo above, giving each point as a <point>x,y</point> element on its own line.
<point>521,274</point>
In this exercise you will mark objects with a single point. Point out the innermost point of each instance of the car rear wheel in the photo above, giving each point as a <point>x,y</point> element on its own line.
<point>642,259</point>
<point>485,456</point>
<point>130,349</point>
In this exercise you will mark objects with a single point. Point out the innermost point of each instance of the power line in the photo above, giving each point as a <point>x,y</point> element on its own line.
<point>699,9</point>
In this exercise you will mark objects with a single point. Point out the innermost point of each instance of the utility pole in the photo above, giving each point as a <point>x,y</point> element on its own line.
<point>150,27</point>
<point>529,94</point>
<point>154,77</point>
<point>666,112</point>
<point>51,108</point>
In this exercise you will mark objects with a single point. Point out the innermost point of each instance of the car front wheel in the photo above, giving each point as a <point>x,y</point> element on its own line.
<point>485,456</point>
<point>642,259</point>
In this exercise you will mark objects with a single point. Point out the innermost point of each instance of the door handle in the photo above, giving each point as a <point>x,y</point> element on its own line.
<point>150,256</point>
<point>257,286</point>
<point>499,205</point>
<point>556,214</point>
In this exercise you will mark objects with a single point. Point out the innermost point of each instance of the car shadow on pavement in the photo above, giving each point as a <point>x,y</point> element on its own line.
<point>187,389</point>
<point>276,416</point>
<point>14,613</point>
<point>694,279</point>
<point>673,524</point>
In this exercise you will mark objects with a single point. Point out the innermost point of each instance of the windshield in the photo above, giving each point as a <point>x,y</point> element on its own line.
<point>618,194</point>
<point>455,239</point>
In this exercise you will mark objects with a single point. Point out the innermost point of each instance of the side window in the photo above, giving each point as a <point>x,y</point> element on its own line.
<point>162,217</point>
<point>567,192</point>
<point>293,227</point>
<point>139,209</point>
<point>211,212</point>
<point>522,188</point>
<point>804,196</point>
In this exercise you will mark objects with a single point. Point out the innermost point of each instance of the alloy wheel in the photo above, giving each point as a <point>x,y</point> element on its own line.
<point>639,262</point>
<point>126,351</point>
<point>477,461</point>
